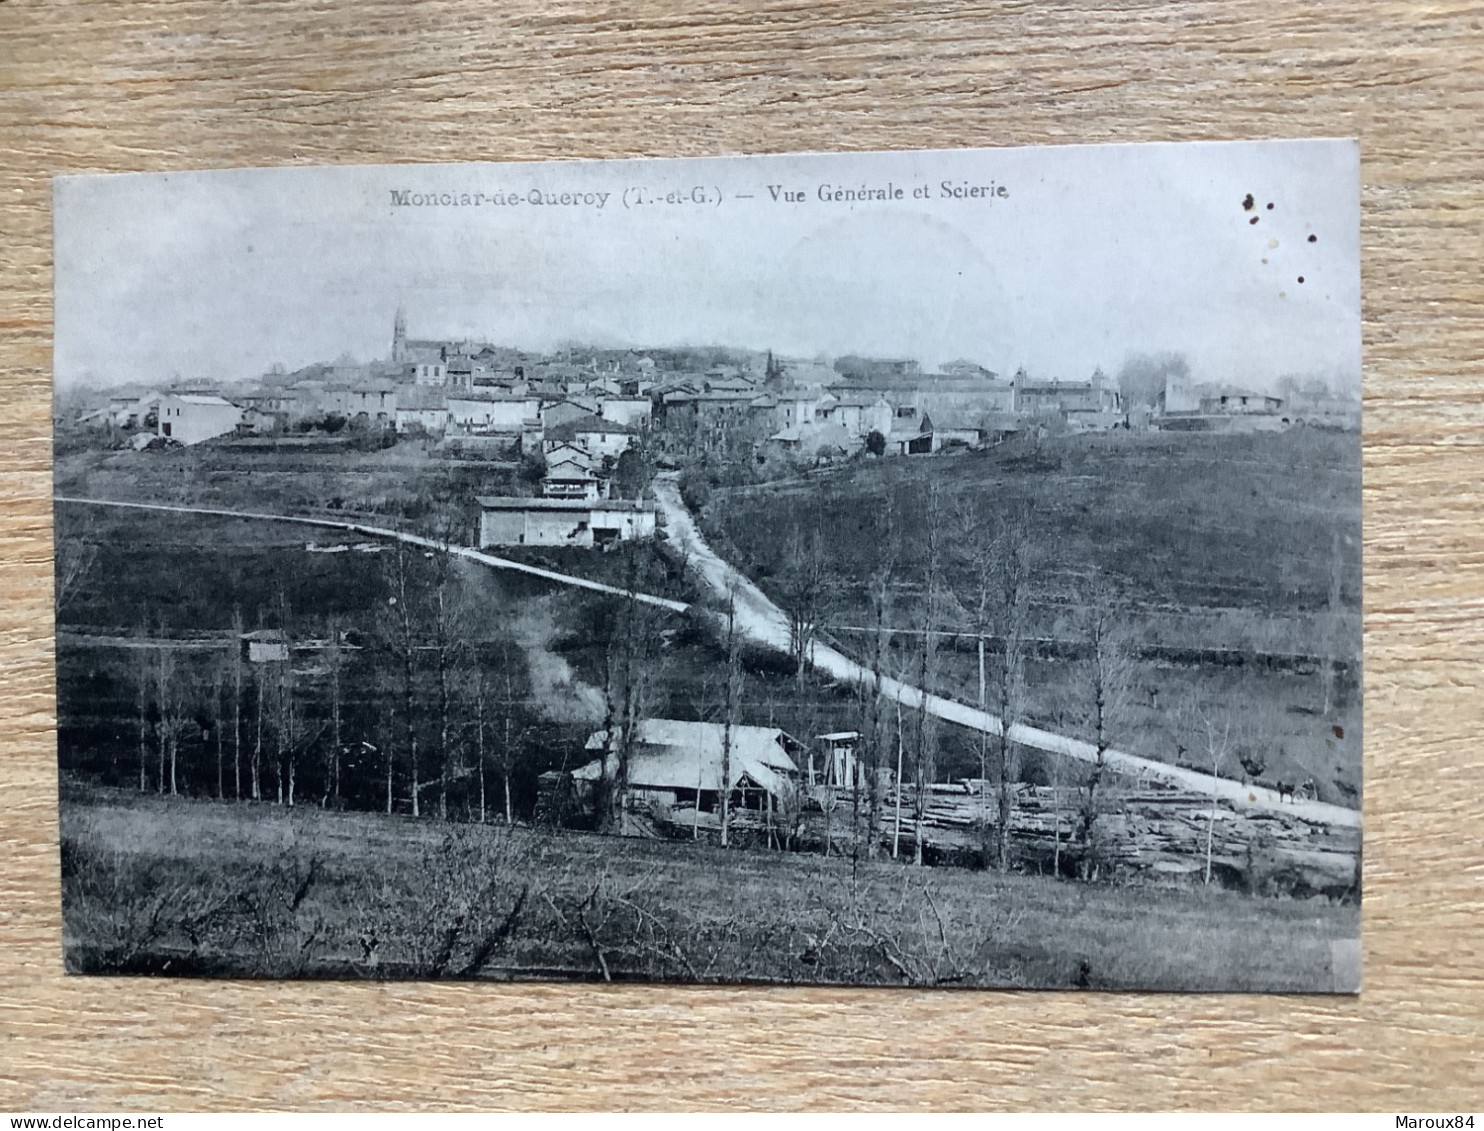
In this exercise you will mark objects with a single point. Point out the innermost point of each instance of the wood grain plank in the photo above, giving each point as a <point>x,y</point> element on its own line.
<point>94,86</point>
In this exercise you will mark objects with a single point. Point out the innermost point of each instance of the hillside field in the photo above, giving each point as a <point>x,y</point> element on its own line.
<point>1234,561</point>
<point>162,585</point>
<point>161,885</point>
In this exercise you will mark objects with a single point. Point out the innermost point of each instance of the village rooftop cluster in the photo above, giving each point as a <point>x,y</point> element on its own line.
<point>577,412</point>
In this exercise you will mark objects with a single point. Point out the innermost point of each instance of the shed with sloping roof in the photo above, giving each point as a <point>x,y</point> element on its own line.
<point>679,764</point>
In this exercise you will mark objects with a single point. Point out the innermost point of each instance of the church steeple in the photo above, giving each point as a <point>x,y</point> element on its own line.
<point>399,336</point>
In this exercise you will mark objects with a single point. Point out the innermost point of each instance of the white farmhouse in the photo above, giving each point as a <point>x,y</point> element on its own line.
<point>584,523</point>
<point>190,418</point>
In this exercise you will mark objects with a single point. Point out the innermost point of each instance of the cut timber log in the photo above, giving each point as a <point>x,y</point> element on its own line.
<point>1158,831</point>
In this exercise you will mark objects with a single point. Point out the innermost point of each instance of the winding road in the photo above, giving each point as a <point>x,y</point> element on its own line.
<point>466,552</point>
<point>762,621</point>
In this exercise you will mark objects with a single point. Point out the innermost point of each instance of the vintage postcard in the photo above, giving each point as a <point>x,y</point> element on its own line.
<point>917,568</point>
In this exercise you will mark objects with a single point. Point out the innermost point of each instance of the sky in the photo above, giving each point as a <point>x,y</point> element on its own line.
<point>1067,258</point>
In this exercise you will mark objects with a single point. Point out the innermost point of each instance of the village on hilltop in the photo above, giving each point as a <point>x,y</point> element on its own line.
<point>576,412</point>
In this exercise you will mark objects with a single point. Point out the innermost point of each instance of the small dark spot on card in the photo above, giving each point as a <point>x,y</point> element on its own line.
<point>1313,239</point>
<point>1270,206</point>
<point>1301,278</point>
<point>1253,220</point>
<point>1247,203</point>
<point>1339,730</point>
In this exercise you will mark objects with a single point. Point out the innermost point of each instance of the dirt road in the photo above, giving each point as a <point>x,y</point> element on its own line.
<point>401,536</point>
<point>764,622</point>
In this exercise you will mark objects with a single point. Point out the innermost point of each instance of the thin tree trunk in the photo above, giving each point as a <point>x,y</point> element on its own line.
<point>983,750</point>
<point>896,835</point>
<point>391,747</point>
<point>237,704</point>
<point>416,787</point>
<point>729,720</point>
<point>443,705</point>
<point>335,712</point>
<point>1331,663</point>
<point>479,738</point>
<point>695,817</point>
<point>162,695</point>
<point>506,765</point>
<point>1210,830</point>
<point>1056,810</point>
<point>282,734</point>
<point>726,782</point>
<point>923,768</point>
<point>407,721</point>
<point>143,722</point>
<point>919,764</point>
<point>829,813</point>
<point>257,750</point>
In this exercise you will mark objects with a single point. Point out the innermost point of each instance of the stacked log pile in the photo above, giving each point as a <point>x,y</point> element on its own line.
<point>1142,830</point>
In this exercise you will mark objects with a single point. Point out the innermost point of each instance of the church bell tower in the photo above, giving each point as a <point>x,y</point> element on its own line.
<point>399,336</point>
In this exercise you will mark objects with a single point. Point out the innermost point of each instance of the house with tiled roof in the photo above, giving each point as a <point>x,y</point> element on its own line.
<point>596,436</point>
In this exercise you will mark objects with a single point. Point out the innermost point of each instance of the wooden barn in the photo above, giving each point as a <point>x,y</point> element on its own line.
<point>675,770</point>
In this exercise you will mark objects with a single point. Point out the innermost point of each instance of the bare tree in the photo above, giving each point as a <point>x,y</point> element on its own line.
<point>1335,618</point>
<point>896,831</point>
<point>401,633</point>
<point>613,779</point>
<point>255,768</point>
<point>1012,569</point>
<point>1216,739</point>
<point>480,695</point>
<point>630,659</point>
<point>808,591</point>
<point>1110,672</point>
<point>284,722</point>
<point>142,684</point>
<point>172,721</point>
<point>997,569</point>
<point>389,744</point>
<point>1056,788</point>
<point>75,554</point>
<point>732,698</point>
<point>218,724</point>
<point>924,766</point>
<point>877,730</point>
<point>976,551</point>
<point>449,649</point>
<point>512,738</point>
<point>335,665</point>
<point>237,633</point>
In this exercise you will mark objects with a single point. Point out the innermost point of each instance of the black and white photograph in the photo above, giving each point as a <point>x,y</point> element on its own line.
<point>920,568</point>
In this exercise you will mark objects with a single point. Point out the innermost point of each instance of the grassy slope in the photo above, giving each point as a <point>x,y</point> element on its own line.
<point>1184,521</point>
<point>395,483</point>
<point>185,575</point>
<point>193,887</point>
<point>1214,542</point>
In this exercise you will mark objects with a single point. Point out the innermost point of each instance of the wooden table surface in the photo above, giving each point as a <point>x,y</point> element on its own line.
<point>94,86</point>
